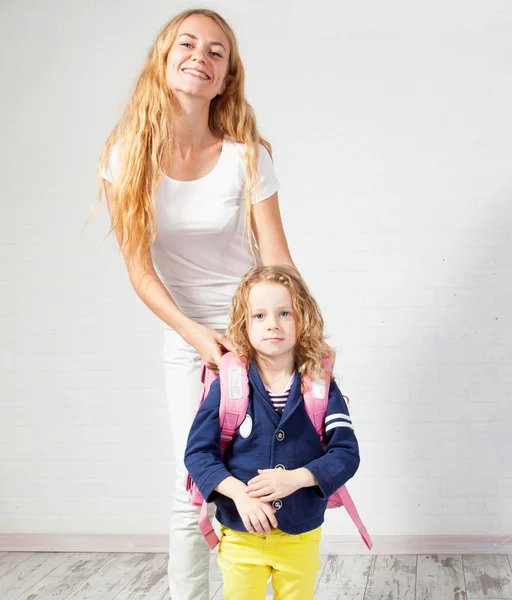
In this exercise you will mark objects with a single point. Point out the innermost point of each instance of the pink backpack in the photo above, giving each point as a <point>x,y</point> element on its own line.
<point>234,400</point>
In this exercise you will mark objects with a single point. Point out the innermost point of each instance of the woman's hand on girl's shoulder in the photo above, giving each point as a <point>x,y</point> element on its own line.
<point>208,343</point>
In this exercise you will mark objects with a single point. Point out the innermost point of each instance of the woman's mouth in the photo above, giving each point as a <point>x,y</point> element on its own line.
<point>197,74</point>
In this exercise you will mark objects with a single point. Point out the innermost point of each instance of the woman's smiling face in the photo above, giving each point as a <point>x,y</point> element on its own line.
<point>197,63</point>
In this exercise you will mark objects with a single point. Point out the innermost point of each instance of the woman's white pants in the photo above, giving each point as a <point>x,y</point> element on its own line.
<point>189,554</point>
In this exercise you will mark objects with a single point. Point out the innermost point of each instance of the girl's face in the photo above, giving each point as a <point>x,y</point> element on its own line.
<point>271,324</point>
<point>197,62</point>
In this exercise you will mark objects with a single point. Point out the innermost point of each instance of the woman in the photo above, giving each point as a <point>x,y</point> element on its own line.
<point>190,187</point>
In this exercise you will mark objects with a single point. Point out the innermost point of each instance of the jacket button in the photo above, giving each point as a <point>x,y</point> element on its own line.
<point>280,435</point>
<point>280,466</point>
<point>277,504</point>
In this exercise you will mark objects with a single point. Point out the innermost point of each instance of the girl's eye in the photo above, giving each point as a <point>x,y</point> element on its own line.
<point>285,313</point>
<point>186,44</point>
<point>216,54</point>
<point>258,316</point>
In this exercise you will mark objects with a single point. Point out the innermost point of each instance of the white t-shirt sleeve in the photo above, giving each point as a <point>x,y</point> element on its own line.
<point>109,170</point>
<point>269,184</point>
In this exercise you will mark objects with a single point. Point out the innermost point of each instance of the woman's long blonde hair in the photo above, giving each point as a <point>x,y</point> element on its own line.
<point>145,133</point>
<point>311,347</point>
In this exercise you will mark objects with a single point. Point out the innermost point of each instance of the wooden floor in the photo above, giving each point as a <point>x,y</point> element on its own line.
<point>107,576</point>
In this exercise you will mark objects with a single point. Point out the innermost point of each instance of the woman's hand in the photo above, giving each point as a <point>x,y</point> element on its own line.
<point>257,516</point>
<point>208,344</point>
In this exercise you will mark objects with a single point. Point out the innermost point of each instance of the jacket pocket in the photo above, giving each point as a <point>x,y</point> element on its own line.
<point>312,502</point>
<point>227,507</point>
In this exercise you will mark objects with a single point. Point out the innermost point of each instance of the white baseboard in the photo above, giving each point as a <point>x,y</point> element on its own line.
<point>383,544</point>
<point>420,544</point>
<point>82,542</point>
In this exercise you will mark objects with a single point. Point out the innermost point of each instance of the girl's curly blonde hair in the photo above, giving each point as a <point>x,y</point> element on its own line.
<point>311,347</point>
<point>145,132</point>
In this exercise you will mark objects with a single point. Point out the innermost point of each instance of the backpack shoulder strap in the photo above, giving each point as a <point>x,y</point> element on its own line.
<point>207,378</point>
<point>341,497</point>
<point>316,398</point>
<point>234,396</point>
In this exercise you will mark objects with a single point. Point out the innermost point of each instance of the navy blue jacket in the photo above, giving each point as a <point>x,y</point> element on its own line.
<point>267,441</point>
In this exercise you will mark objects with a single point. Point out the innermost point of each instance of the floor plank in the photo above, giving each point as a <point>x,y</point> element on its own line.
<point>392,577</point>
<point>9,560</point>
<point>148,582</point>
<point>112,577</point>
<point>143,576</point>
<point>344,575</point>
<point>323,593</point>
<point>488,575</point>
<point>29,572</point>
<point>440,577</point>
<point>66,578</point>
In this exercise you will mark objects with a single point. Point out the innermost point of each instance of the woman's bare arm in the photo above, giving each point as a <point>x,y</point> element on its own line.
<point>269,232</point>
<point>154,294</point>
<point>146,282</point>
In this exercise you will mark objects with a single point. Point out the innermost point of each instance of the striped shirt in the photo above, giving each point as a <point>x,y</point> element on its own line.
<point>278,401</point>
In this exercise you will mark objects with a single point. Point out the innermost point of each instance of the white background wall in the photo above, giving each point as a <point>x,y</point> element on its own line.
<point>391,124</point>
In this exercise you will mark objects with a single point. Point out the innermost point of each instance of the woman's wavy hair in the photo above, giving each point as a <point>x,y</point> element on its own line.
<point>145,131</point>
<point>310,348</point>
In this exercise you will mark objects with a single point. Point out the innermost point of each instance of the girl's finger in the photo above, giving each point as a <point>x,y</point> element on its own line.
<point>269,498</point>
<point>266,473</point>
<point>247,524</point>
<point>270,512</point>
<point>262,491</point>
<point>255,522</point>
<point>264,522</point>
<point>256,484</point>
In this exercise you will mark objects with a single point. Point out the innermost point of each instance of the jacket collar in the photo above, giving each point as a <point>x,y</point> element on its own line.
<point>259,389</point>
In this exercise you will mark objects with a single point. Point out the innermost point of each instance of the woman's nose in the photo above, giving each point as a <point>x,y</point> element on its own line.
<point>199,54</point>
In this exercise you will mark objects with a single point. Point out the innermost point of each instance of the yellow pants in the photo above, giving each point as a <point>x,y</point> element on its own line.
<point>248,560</point>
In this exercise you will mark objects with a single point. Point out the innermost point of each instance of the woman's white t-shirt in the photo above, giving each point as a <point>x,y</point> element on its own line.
<point>201,250</point>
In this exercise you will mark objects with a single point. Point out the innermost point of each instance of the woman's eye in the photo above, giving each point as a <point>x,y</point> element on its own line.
<point>189,45</point>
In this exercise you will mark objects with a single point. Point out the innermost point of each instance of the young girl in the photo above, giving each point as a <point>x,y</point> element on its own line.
<point>275,478</point>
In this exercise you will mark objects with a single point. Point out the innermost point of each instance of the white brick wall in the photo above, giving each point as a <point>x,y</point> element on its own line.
<point>391,127</point>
